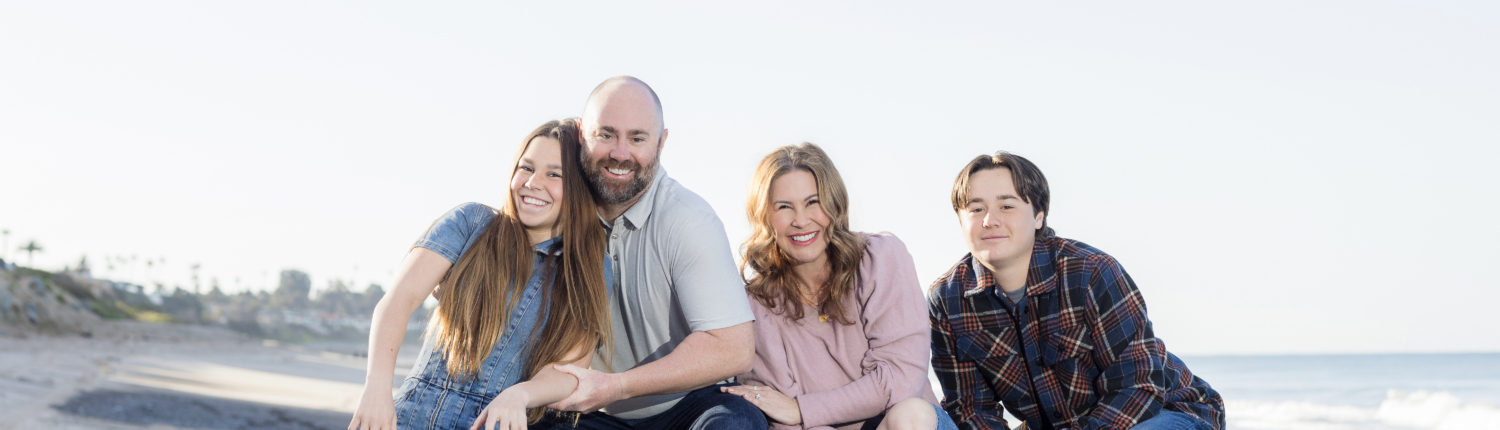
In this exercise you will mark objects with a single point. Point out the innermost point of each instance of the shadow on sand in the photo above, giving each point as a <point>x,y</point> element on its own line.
<point>150,407</point>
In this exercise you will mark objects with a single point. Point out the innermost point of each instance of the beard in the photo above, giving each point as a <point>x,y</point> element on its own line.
<point>613,191</point>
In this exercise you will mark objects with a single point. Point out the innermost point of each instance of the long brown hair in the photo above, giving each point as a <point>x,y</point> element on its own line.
<point>774,283</point>
<point>486,284</point>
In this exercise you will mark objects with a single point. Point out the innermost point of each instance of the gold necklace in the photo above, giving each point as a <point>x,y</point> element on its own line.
<point>819,306</point>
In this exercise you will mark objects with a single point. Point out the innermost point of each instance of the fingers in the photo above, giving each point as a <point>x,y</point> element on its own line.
<point>479,419</point>
<point>368,423</point>
<point>568,369</point>
<point>567,402</point>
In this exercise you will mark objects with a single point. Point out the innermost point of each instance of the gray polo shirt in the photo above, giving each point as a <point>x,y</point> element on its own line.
<point>674,275</point>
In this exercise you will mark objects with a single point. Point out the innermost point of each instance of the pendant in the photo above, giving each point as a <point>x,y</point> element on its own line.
<point>822,318</point>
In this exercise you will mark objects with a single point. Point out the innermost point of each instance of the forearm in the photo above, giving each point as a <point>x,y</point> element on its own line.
<point>1128,355</point>
<point>893,377</point>
<point>1129,388</point>
<point>418,275</point>
<point>387,331</point>
<point>550,385</point>
<point>702,359</point>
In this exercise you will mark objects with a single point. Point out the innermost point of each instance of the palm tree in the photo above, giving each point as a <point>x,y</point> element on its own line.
<point>31,248</point>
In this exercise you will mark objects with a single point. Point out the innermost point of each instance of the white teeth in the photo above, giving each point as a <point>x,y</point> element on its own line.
<point>621,172</point>
<point>533,201</point>
<point>804,237</point>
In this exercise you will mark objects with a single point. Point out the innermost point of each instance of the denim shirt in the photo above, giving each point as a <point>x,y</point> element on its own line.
<point>430,397</point>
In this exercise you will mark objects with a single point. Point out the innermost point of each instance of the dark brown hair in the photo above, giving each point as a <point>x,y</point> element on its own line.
<point>1030,183</point>
<point>774,283</point>
<point>486,284</point>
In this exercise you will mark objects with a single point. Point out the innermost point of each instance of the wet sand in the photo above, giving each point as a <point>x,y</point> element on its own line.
<point>133,375</point>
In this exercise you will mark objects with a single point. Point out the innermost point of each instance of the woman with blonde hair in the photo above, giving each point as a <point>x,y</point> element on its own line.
<point>523,288</point>
<point>841,326</point>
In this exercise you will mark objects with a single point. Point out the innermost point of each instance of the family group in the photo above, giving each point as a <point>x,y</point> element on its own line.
<point>605,295</point>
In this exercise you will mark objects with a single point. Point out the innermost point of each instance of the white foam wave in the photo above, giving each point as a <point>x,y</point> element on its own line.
<point>1400,410</point>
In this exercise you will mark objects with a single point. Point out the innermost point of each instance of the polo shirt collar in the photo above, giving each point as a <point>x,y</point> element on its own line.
<point>636,216</point>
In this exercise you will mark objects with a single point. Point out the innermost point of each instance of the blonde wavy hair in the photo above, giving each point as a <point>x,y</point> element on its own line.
<point>773,282</point>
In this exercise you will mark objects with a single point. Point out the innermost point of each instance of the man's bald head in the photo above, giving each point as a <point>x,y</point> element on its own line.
<point>623,90</point>
<point>623,135</point>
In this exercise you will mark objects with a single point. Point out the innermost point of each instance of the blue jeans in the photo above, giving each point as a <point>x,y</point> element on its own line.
<point>701,409</point>
<point>944,422</point>
<point>1173,420</point>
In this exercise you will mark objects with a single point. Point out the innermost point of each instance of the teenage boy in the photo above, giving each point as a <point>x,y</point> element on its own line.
<point>1051,328</point>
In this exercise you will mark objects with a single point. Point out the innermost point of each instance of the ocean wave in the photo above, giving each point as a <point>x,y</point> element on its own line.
<point>1400,410</point>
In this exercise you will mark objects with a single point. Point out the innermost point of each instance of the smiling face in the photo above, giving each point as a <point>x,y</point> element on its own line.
<point>537,187</point>
<point>999,227</point>
<point>798,218</point>
<point>622,139</point>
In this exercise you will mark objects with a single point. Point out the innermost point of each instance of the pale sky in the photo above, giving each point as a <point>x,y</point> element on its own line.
<point>1277,176</point>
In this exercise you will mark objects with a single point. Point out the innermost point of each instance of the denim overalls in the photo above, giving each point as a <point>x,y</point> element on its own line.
<point>432,399</point>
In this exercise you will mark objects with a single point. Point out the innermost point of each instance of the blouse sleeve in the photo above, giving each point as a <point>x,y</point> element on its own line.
<point>894,316</point>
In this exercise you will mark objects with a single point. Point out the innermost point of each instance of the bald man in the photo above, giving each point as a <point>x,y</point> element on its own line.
<point>682,325</point>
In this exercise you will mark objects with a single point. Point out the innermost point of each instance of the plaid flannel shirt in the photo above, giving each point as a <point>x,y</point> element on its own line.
<point>1083,337</point>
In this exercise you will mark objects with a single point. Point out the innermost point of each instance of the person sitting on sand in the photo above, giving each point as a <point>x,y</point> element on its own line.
<point>681,323</point>
<point>1052,328</point>
<point>840,334</point>
<point>523,289</point>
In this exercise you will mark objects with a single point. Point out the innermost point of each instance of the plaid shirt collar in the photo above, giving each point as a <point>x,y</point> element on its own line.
<point>1041,277</point>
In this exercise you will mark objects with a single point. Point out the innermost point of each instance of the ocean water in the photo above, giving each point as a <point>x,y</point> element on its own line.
<point>1337,392</point>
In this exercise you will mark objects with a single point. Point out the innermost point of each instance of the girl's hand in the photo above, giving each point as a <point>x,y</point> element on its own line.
<point>777,406</point>
<point>506,412</point>
<point>376,411</point>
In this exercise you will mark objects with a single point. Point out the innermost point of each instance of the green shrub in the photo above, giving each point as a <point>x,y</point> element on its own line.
<point>109,309</point>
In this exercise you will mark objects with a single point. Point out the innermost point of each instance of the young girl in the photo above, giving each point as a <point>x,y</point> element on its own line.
<point>522,289</point>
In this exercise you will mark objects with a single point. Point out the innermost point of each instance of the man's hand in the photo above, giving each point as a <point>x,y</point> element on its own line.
<point>595,389</point>
<point>777,406</point>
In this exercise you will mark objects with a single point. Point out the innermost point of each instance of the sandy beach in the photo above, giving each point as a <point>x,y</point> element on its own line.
<point>137,375</point>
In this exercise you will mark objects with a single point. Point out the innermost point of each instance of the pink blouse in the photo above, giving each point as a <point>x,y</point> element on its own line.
<point>841,374</point>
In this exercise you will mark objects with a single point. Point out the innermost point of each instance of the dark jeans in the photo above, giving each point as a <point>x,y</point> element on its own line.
<point>702,409</point>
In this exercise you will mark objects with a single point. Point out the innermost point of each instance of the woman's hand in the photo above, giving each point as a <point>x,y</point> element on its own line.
<point>506,412</point>
<point>376,411</point>
<point>777,406</point>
